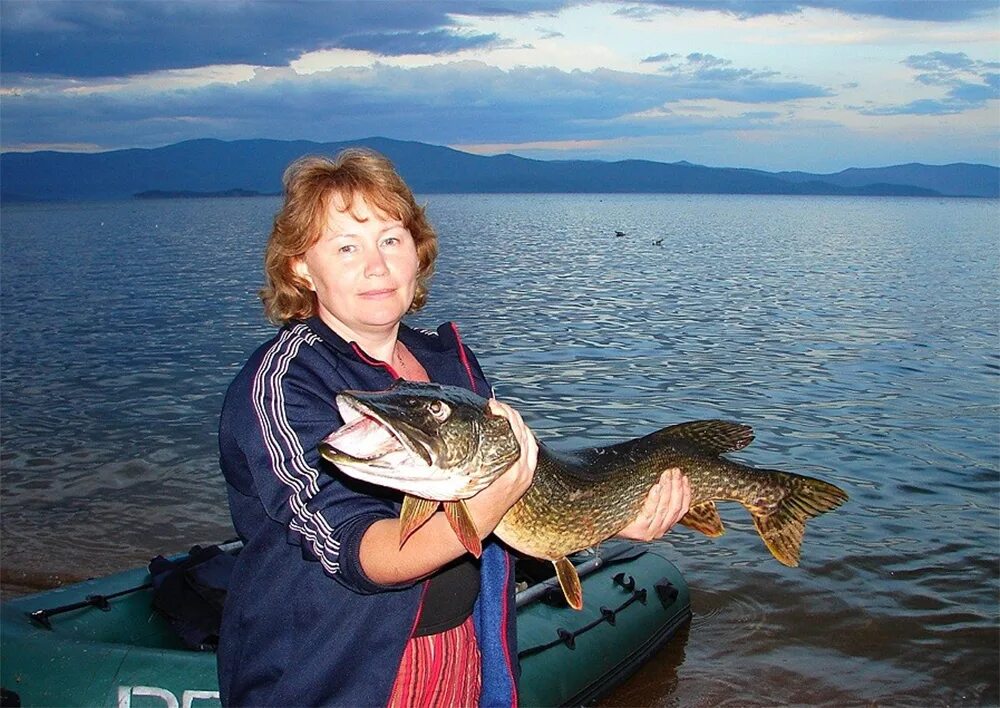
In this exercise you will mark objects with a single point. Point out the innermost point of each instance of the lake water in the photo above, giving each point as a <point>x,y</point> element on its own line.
<point>860,338</point>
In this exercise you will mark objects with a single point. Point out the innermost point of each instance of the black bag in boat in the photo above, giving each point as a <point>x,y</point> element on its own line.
<point>190,592</point>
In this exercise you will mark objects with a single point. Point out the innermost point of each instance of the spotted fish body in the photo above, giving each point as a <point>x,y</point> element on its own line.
<point>578,499</point>
<point>439,443</point>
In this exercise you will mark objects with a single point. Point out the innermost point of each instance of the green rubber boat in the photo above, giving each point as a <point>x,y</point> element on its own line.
<point>101,642</point>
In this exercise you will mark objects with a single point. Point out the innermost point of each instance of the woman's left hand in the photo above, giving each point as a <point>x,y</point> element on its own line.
<point>665,504</point>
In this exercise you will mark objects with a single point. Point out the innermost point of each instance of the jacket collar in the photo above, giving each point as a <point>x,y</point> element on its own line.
<point>445,339</point>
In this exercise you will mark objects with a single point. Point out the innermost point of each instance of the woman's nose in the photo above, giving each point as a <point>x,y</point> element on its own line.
<point>375,263</point>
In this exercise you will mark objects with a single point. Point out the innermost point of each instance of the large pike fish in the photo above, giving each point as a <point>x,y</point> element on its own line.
<point>442,444</point>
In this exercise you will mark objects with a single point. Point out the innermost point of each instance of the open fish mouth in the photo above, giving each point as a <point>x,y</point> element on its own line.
<point>364,440</point>
<point>379,444</point>
<point>367,440</point>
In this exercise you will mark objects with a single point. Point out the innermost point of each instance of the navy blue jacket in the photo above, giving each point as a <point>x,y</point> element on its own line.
<point>303,624</point>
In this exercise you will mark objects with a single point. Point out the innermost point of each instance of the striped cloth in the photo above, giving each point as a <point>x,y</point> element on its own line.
<point>439,670</point>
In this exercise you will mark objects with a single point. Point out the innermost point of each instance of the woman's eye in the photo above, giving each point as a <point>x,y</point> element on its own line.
<point>347,249</point>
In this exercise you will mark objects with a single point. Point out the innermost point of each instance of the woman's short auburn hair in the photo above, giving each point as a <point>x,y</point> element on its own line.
<point>309,184</point>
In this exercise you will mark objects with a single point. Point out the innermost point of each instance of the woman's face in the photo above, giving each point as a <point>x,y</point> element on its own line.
<point>363,270</point>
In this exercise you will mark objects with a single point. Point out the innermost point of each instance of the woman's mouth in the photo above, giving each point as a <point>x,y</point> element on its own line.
<point>380,293</point>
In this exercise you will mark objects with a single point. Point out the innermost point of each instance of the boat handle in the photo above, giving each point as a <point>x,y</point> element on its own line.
<point>610,616</point>
<point>41,617</point>
<point>626,582</point>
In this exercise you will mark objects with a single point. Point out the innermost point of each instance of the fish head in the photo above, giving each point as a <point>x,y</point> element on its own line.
<point>431,441</point>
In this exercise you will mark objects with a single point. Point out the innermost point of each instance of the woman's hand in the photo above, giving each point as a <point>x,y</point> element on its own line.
<point>434,544</point>
<point>665,504</point>
<point>489,506</point>
<point>519,476</point>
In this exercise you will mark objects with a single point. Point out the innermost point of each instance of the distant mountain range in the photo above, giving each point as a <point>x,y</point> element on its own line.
<point>250,167</point>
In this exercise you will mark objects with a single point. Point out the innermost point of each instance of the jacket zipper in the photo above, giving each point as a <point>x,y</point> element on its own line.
<point>374,362</point>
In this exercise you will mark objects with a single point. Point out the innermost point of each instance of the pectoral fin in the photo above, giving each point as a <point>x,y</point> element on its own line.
<point>464,527</point>
<point>704,517</point>
<point>569,581</point>
<point>413,515</point>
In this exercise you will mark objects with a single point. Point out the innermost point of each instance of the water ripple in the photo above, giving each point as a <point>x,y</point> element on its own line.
<point>860,344</point>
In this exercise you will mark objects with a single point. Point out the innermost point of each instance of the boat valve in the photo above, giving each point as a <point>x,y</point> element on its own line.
<point>626,582</point>
<point>666,591</point>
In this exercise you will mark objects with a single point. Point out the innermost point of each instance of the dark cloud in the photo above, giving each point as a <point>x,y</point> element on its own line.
<point>939,61</point>
<point>708,69</point>
<point>549,33</point>
<point>118,38</point>
<point>760,115</point>
<point>659,58</point>
<point>927,10</point>
<point>641,13</point>
<point>433,42</point>
<point>969,84</point>
<point>458,102</point>
<point>922,107</point>
<point>706,61</point>
<point>44,42</point>
<point>973,94</point>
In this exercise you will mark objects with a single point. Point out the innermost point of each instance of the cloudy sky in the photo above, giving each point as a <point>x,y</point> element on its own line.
<point>819,85</point>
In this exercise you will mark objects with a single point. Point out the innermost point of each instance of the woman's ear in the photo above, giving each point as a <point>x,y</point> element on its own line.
<point>301,269</point>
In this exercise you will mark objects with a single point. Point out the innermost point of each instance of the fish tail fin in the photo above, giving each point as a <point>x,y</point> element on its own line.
<point>782,528</point>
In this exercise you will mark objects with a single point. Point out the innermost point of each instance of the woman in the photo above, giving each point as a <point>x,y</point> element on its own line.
<point>324,606</point>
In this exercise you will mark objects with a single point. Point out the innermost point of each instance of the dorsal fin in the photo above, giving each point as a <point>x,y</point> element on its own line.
<point>715,436</point>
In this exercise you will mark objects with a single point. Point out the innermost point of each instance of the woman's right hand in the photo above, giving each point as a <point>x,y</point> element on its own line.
<point>489,506</point>
<point>520,474</point>
<point>435,543</point>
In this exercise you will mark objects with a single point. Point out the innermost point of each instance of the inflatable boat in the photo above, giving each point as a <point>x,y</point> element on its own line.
<point>102,642</point>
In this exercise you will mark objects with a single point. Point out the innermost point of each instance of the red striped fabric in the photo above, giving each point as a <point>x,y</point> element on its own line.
<point>439,670</point>
<point>464,357</point>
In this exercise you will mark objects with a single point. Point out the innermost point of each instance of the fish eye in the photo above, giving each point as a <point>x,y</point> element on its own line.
<point>439,409</point>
